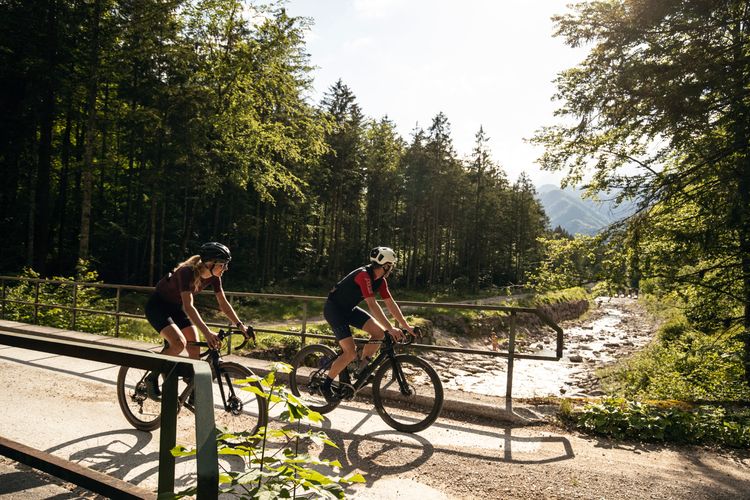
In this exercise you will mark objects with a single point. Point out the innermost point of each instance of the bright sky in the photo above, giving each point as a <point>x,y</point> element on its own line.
<point>481,62</point>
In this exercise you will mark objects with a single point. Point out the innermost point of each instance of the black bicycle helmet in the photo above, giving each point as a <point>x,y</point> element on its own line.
<point>214,251</point>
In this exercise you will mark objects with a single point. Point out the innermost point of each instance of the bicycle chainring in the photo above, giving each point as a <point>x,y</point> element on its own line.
<point>346,391</point>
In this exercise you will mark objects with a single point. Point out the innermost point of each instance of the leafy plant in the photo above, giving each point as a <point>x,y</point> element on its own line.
<point>275,468</point>
<point>671,421</point>
<point>65,294</point>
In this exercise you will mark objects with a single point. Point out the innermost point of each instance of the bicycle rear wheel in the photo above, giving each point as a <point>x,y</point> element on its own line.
<point>415,406</point>
<point>245,411</point>
<point>309,369</point>
<point>143,413</point>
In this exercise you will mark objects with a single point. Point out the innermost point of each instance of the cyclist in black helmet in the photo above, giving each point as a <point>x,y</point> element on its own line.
<point>171,311</point>
<point>341,311</point>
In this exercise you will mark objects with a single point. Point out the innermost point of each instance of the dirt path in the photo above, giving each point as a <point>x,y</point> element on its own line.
<point>545,463</point>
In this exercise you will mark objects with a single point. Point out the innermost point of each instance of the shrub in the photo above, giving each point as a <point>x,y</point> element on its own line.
<point>86,297</point>
<point>666,421</point>
<point>280,471</point>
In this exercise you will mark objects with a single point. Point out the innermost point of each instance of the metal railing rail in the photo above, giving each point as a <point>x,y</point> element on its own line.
<point>302,332</point>
<point>172,368</point>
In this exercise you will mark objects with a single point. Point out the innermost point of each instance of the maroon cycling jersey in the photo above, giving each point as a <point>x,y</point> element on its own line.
<point>171,286</point>
<point>356,286</point>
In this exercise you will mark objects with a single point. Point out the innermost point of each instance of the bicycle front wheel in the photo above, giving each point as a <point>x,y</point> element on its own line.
<point>239,410</point>
<point>407,393</point>
<point>309,369</point>
<point>142,412</point>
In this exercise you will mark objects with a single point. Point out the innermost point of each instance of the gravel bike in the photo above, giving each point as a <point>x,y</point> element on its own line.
<point>406,390</point>
<point>236,410</point>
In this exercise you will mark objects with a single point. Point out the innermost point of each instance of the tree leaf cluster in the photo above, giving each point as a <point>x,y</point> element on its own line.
<point>659,110</point>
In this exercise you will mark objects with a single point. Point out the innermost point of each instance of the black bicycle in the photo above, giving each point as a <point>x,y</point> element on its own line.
<point>406,390</point>
<point>236,410</point>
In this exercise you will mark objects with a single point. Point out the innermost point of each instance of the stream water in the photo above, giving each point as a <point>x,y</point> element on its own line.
<point>615,328</point>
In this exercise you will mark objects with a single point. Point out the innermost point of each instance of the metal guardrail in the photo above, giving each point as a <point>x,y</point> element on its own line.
<point>172,368</point>
<point>302,332</point>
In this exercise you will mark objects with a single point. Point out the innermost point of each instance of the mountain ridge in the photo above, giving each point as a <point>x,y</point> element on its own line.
<point>577,215</point>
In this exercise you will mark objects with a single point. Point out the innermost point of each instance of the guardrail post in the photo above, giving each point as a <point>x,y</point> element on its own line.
<point>75,305</point>
<point>36,303</point>
<point>511,352</point>
<point>304,323</point>
<point>207,455</point>
<point>117,313</point>
<point>168,434</point>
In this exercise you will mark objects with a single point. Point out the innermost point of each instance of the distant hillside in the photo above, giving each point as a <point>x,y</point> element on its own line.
<point>566,208</point>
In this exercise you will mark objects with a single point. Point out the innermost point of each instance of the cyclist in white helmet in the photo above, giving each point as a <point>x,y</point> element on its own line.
<point>342,312</point>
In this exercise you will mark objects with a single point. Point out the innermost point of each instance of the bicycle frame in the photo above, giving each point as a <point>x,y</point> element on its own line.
<point>386,352</point>
<point>213,358</point>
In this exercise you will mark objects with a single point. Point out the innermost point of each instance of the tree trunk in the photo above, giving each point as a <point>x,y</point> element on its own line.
<point>152,241</point>
<point>44,165</point>
<point>62,198</point>
<point>87,175</point>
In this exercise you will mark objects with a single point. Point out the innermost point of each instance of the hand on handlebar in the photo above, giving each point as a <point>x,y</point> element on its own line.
<point>249,333</point>
<point>396,334</point>
<point>213,340</point>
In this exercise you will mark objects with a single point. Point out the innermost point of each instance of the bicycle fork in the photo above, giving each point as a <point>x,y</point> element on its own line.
<point>398,374</point>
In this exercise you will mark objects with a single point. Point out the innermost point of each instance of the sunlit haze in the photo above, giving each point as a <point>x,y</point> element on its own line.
<point>482,63</point>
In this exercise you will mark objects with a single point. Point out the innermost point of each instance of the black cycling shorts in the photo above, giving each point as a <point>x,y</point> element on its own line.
<point>341,319</point>
<point>161,313</point>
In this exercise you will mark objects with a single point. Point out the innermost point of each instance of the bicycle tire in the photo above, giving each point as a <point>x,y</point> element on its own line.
<point>413,412</point>
<point>309,369</point>
<point>145,414</point>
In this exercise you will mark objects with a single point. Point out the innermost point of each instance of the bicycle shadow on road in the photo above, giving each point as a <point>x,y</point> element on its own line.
<point>386,453</point>
<point>125,454</point>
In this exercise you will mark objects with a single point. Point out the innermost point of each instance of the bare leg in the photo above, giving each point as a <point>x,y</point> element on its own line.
<point>175,338</point>
<point>376,333</point>
<point>191,335</point>
<point>350,352</point>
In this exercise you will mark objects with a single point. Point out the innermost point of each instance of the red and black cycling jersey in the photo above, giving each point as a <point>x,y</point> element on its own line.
<point>356,286</point>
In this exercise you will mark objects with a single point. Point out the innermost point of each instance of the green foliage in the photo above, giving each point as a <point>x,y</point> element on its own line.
<point>192,122</point>
<point>666,422</point>
<point>558,296</point>
<point>567,262</point>
<point>699,375</point>
<point>647,113</point>
<point>53,294</point>
<point>278,471</point>
<point>684,364</point>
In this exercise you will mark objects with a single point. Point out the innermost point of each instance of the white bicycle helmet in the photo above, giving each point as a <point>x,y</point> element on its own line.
<point>383,255</point>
